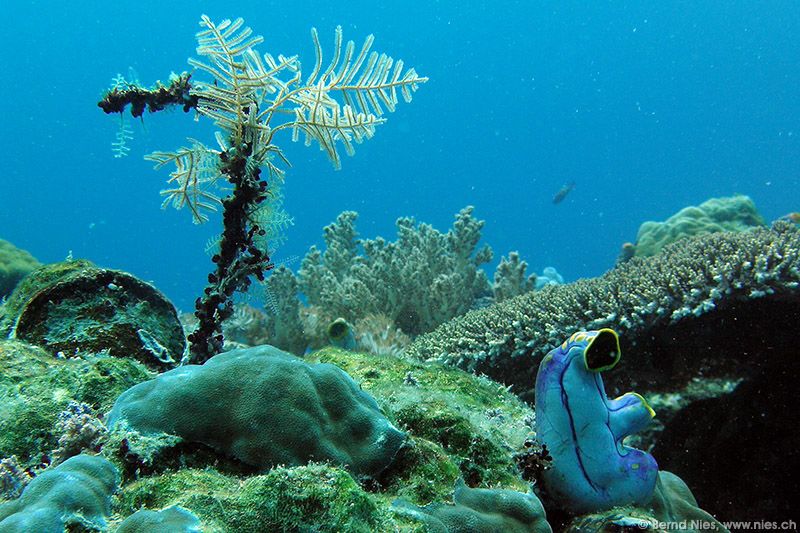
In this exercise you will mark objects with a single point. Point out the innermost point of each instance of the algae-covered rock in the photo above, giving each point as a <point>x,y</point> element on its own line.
<point>735,213</point>
<point>313,497</point>
<point>77,492</point>
<point>36,280</point>
<point>423,473</point>
<point>15,264</point>
<point>265,407</point>
<point>35,387</point>
<point>460,425</point>
<point>74,307</point>
<point>478,423</point>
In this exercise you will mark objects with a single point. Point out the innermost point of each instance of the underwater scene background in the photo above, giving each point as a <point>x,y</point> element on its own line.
<point>647,106</point>
<point>557,291</point>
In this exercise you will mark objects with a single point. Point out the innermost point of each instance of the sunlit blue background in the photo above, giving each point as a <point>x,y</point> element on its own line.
<point>647,106</point>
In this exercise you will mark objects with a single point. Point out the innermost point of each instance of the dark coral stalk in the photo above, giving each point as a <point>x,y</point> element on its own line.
<point>239,257</point>
<point>155,99</point>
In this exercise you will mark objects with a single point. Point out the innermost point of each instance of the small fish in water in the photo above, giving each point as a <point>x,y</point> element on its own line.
<point>563,192</point>
<point>792,217</point>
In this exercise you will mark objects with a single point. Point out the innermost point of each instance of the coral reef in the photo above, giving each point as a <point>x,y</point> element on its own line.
<point>170,520</point>
<point>250,99</point>
<point>592,470</point>
<point>15,264</point>
<point>74,307</point>
<point>381,289</point>
<point>459,425</point>
<point>735,213</point>
<point>12,478</point>
<point>35,387</point>
<point>671,306</point>
<point>707,322</point>
<point>264,407</point>
<point>482,510</point>
<point>80,430</point>
<point>419,281</point>
<point>75,493</point>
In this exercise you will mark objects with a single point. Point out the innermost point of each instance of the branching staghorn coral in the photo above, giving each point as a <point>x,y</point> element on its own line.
<point>251,98</point>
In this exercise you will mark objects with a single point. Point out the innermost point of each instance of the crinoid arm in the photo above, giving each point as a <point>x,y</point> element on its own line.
<point>368,82</point>
<point>345,101</point>
<point>340,102</point>
<point>193,179</point>
<point>119,147</point>
<point>329,125</point>
<point>241,80</point>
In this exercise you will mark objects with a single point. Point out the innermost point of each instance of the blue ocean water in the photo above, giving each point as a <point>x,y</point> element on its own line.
<point>647,106</point>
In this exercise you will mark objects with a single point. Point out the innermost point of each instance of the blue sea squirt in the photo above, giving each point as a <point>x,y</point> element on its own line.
<point>584,430</point>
